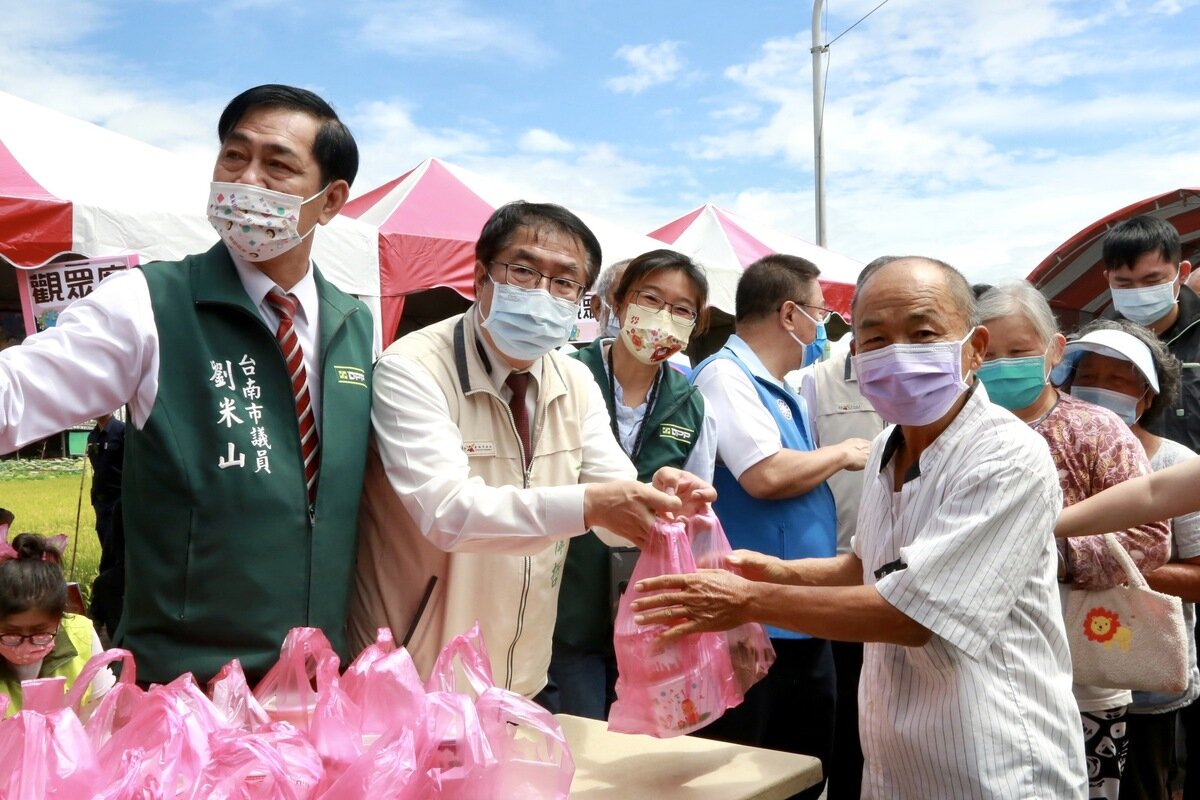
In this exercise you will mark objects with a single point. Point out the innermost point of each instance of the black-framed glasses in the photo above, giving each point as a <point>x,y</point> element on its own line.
<point>36,639</point>
<point>652,302</point>
<point>529,278</point>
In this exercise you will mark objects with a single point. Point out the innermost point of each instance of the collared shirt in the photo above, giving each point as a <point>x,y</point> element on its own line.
<point>103,353</point>
<point>746,432</point>
<point>966,549</point>
<point>428,469</point>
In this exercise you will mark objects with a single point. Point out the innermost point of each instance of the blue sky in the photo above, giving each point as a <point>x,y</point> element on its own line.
<point>983,132</point>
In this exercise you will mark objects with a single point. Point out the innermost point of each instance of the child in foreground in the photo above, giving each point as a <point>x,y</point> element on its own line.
<point>38,639</point>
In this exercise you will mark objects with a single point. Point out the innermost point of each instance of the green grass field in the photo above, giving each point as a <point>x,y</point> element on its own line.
<point>44,496</point>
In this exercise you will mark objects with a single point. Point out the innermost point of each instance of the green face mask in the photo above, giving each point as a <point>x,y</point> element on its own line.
<point>1014,382</point>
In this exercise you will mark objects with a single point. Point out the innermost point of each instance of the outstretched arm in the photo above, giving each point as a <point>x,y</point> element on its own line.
<point>715,600</point>
<point>1162,495</point>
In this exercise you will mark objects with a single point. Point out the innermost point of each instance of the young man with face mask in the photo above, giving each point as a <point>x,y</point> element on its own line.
<point>491,450</point>
<point>966,680</point>
<point>772,495</point>
<point>239,503</point>
<point>1148,280</point>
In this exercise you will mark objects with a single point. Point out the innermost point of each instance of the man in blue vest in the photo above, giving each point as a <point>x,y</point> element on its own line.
<point>771,491</point>
<point>247,380</point>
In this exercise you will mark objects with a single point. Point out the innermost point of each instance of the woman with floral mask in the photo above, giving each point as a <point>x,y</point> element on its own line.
<point>660,420</point>
<point>1093,449</point>
<point>38,639</point>
<point>1128,370</point>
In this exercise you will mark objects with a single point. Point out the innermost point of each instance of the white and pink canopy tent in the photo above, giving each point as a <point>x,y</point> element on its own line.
<point>429,219</point>
<point>725,244</point>
<point>68,187</point>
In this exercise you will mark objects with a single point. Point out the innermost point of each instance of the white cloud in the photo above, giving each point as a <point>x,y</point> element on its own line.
<point>650,65</point>
<point>539,140</point>
<point>439,28</point>
<point>984,133</point>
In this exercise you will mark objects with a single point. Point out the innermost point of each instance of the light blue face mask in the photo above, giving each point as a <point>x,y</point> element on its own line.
<point>814,350</point>
<point>1120,404</point>
<point>1014,383</point>
<point>525,324</point>
<point>1145,305</point>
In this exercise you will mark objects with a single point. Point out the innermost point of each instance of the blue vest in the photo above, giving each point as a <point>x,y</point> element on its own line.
<point>798,527</point>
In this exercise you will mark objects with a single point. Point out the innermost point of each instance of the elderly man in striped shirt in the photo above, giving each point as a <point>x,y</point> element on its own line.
<point>966,681</point>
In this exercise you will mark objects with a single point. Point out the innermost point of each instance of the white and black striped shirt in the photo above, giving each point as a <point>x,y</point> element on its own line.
<point>984,709</point>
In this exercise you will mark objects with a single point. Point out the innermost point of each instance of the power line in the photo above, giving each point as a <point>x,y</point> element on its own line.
<point>855,25</point>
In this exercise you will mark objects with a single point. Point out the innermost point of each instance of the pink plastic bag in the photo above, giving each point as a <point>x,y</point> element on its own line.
<point>750,650</point>
<point>232,697</point>
<point>387,771</point>
<point>456,756</point>
<point>171,728</point>
<point>45,750</point>
<point>667,689</point>
<point>530,755</point>
<point>384,684</point>
<point>117,707</point>
<point>270,764</point>
<point>303,689</point>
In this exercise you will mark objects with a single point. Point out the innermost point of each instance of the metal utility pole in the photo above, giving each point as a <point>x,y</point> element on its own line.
<point>818,58</point>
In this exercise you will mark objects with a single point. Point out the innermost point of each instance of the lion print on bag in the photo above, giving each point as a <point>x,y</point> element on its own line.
<point>1104,626</point>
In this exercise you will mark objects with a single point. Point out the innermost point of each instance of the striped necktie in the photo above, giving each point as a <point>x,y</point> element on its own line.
<point>289,343</point>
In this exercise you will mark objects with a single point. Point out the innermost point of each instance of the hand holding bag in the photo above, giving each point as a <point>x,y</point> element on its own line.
<point>1127,637</point>
<point>674,688</point>
<point>750,649</point>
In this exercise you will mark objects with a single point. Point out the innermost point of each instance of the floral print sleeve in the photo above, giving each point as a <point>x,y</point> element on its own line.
<point>1094,449</point>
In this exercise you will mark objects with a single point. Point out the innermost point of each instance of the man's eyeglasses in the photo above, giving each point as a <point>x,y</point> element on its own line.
<point>821,317</point>
<point>652,302</point>
<point>530,278</point>
<point>36,639</point>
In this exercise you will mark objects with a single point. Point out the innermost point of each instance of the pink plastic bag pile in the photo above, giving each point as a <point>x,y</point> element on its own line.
<point>305,733</point>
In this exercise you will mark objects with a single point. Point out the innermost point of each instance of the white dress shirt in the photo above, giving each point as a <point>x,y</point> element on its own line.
<point>966,549</point>
<point>104,353</point>
<point>746,431</point>
<point>422,451</point>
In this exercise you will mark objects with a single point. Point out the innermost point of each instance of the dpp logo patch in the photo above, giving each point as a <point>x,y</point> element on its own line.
<point>676,432</point>
<point>351,376</point>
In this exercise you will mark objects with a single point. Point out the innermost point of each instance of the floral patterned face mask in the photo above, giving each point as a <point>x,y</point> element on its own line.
<point>256,223</point>
<point>654,336</point>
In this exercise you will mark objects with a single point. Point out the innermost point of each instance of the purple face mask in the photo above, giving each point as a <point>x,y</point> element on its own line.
<point>912,384</point>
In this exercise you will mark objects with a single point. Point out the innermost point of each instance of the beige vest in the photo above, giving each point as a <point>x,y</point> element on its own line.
<point>842,413</point>
<point>515,598</point>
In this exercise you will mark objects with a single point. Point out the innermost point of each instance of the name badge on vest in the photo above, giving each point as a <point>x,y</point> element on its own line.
<point>784,408</point>
<point>479,448</point>
<point>351,376</point>
<point>676,432</point>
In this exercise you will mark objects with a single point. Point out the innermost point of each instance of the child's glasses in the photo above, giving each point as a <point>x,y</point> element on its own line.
<point>36,639</point>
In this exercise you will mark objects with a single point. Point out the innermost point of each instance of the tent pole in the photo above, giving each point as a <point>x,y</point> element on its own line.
<point>818,52</point>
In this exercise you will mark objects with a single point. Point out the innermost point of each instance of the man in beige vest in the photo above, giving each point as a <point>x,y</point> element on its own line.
<point>491,449</point>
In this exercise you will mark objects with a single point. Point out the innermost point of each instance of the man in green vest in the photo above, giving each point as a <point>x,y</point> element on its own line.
<point>247,380</point>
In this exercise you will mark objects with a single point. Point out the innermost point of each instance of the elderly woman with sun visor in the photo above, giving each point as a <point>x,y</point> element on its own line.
<point>1128,370</point>
<point>1093,449</point>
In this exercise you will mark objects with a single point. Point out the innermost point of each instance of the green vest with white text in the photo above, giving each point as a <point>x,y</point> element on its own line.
<point>222,554</point>
<point>672,427</point>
